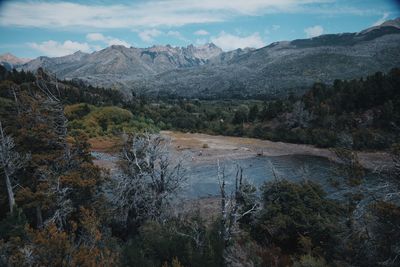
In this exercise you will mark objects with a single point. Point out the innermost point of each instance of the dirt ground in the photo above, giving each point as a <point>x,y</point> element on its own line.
<point>203,147</point>
<point>105,144</point>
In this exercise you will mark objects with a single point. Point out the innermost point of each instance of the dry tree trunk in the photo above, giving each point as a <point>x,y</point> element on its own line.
<point>10,192</point>
<point>10,162</point>
<point>39,218</point>
<point>6,146</point>
<point>231,205</point>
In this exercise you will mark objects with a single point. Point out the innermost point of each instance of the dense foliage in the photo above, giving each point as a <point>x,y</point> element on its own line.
<point>109,120</point>
<point>57,208</point>
<point>361,114</point>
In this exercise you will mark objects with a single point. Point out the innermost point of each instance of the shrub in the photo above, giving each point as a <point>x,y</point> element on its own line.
<point>100,121</point>
<point>77,111</point>
<point>158,244</point>
<point>310,261</point>
<point>293,211</point>
<point>323,137</point>
<point>370,139</point>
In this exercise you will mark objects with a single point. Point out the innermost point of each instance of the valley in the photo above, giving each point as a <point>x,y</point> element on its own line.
<point>174,133</point>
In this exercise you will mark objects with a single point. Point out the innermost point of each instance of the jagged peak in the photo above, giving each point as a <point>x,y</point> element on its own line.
<point>211,44</point>
<point>117,47</point>
<point>79,52</point>
<point>8,57</point>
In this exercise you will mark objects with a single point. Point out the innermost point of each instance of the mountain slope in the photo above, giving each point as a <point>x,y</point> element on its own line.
<point>117,64</point>
<point>9,61</point>
<point>286,66</point>
<point>206,71</point>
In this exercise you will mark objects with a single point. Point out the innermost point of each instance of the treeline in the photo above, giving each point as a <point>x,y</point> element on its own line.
<point>69,92</point>
<point>359,114</point>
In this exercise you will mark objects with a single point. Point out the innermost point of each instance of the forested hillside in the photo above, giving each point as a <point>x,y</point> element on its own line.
<point>362,114</point>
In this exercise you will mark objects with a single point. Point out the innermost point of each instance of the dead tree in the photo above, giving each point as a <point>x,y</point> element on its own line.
<point>232,208</point>
<point>148,179</point>
<point>52,105</point>
<point>62,204</point>
<point>56,109</point>
<point>10,162</point>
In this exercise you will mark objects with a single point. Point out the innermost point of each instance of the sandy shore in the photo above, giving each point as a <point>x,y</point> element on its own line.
<point>204,148</point>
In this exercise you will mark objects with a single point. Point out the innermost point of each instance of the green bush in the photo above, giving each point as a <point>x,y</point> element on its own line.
<point>159,243</point>
<point>323,137</point>
<point>100,121</point>
<point>77,111</point>
<point>297,210</point>
<point>371,139</point>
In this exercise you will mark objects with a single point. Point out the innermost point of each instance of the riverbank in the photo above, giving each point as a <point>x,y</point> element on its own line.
<point>204,148</point>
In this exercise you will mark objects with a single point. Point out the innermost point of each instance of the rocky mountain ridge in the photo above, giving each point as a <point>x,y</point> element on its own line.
<point>9,61</point>
<point>207,71</point>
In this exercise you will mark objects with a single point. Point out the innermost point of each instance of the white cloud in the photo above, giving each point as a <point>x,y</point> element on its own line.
<point>97,47</point>
<point>95,37</point>
<point>314,31</point>
<point>176,35</point>
<point>381,20</point>
<point>56,49</point>
<point>201,32</point>
<point>149,35</point>
<point>98,37</point>
<point>62,14</point>
<point>116,41</point>
<point>229,41</point>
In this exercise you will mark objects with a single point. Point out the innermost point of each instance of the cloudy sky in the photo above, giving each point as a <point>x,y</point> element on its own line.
<point>32,28</point>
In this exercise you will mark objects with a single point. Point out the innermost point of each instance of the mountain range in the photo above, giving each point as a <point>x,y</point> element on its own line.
<point>9,61</point>
<point>207,71</point>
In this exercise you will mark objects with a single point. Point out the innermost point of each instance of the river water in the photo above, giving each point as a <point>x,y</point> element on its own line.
<point>202,180</point>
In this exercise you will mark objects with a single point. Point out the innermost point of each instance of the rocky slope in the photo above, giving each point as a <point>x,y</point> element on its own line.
<point>206,71</point>
<point>9,61</point>
<point>286,66</point>
<point>117,64</point>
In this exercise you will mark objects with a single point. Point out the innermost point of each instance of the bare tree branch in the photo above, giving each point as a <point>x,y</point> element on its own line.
<point>10,162</point>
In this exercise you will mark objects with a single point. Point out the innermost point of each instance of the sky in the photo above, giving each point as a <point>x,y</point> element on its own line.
<point>32,28</point>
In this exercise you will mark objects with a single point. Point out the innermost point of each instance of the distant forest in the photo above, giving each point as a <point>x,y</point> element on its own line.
<point>59,209</point>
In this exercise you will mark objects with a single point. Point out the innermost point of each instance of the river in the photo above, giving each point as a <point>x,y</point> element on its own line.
<point>264,161</point>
